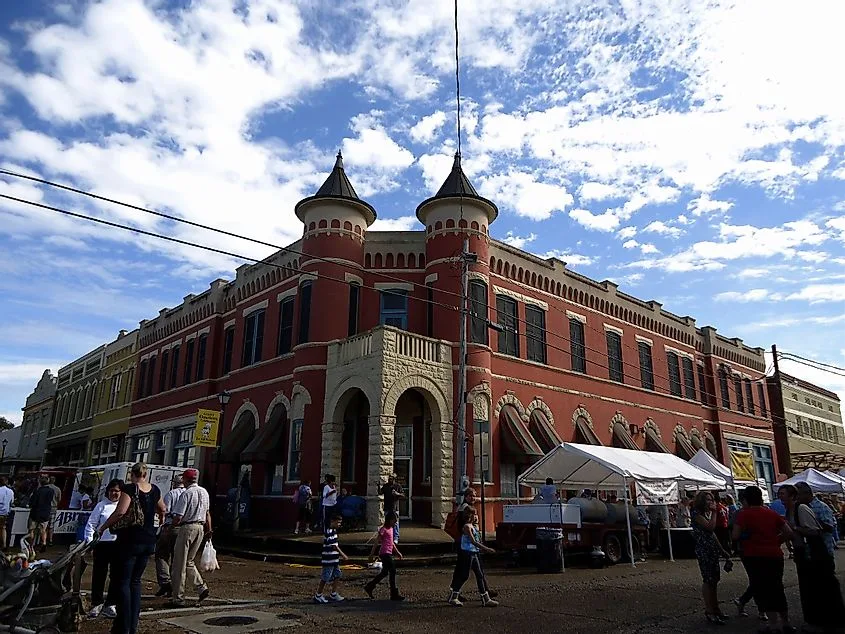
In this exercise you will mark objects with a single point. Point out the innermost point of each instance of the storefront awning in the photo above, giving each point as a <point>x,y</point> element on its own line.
<point>518,446</point>
<point>267,446</point>
<point>622,438</point>
<point>653,441</point>
<point>237,440</point>
<point>683,447</point>
<point>584,433</point>
<point>543,431</point>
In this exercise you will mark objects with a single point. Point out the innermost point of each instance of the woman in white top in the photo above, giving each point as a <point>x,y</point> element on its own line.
<point>104,551</point>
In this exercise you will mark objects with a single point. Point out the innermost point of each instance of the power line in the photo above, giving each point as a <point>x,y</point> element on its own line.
<point>794,357</point>
<point>814,367</point>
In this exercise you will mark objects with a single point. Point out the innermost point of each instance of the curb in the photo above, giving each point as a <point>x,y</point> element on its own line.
<point>287,558</point>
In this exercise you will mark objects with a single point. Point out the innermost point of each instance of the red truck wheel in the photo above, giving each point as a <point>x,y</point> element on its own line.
<point>612,548</point>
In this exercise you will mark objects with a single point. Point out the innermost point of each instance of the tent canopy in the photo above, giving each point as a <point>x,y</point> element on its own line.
<point>704,460</point>
<point>819,482</point>
<point>578,466</point>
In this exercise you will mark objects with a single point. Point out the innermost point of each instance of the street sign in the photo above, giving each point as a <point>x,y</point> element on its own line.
<point>208,422</point>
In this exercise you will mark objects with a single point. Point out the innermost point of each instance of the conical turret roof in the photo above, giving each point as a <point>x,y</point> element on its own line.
<point>337,187</point>
<point>457,185</point>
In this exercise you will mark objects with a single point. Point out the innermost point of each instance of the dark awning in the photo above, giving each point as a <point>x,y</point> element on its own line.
<point>653,441</point>
<point>585,433</point>
<point>543,431</point>
<point>236,440</point>
<point>267,446</point>
<point>683,447</point>
<point>622,438</point>
<point>518,447</point>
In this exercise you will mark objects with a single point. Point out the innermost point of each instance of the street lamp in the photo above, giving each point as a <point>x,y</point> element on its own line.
<point>224,397</point>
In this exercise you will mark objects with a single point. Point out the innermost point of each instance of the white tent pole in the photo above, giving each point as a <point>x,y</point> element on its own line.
<point>628,521</point>
<point>669,533</point>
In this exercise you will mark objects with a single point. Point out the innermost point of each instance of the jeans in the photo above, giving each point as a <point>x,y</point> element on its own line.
<point>388,567</point>
<point>468,561</point>
<point>129,564</point>
<point>104,553</point>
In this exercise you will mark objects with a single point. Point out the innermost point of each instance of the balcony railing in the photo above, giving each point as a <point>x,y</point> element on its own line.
<point>390,341</point>
<point>417,347</point>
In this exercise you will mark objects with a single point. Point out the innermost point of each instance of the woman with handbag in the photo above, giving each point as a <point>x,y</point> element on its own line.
<point>821,596</point>
<point>707,551</point>
<point>132,522</point>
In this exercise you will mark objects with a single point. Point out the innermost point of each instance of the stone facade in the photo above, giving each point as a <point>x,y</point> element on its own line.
<point>37,414</point>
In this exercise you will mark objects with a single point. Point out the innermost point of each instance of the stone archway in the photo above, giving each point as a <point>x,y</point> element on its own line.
<point>334,408</point>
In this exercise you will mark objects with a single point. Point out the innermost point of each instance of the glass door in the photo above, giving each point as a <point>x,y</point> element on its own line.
<point>403,458</point>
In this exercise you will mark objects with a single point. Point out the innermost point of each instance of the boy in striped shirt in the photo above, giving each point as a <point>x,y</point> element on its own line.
<point>332,554</point>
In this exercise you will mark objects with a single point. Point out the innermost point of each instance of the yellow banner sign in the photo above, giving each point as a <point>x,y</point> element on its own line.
<point>208,422</point>
<point>742,466</point>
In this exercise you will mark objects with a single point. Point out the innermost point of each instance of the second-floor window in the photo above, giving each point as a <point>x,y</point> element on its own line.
<point>151,373</point>
<point>740,401</point>
<point>674,373</point>
<point>202,348</point>
<point>253,338</point>
<point>354,308</point>
<point>508,320</point>
<point>723,389</point>
<point>646,366</point>
<point>394,308</point>
<point>189,360</point>
<point>142,379</point>
<point>304,312</point>
<point>478,312</point>
<point>702,385</point>
<point>577,347</point>
<point>174,367</point>
<point>228,348</point>
<point>535,333</point>
<point>162,373</point>
<point>761,396</point>
<point>285,326</point>
<point>429,309</point>
<point>749,396</point>
<point>689,378</point>
<point>614,356</point>
<point>115,390</point>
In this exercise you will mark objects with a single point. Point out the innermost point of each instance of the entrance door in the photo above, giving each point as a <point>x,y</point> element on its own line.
<point>403,458</point>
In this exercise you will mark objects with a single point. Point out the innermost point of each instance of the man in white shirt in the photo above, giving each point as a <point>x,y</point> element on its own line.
<point>167,539</point>
<point>6,498</point>
<point>192,522</point>
<point>329,499</point>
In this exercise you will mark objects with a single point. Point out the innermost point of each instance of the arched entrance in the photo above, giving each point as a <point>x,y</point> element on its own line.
<point>354,414</point>
<point>412,454</point>
<point>269,449</point>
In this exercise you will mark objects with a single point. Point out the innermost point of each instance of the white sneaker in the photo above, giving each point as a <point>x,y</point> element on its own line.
<point>319,598</point>
<point>334,596</point>
<point>110,612</point>
<point>95,611</point>
<point>296,532</point>
<point>308,531</point>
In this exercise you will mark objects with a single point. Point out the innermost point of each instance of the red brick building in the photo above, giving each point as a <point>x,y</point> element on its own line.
<point>341,357</point>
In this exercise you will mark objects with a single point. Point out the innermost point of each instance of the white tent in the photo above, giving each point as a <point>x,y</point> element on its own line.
<point>704,460</point>
<point>575,466</point>
<point>819,482</point>
<point>835,476</point>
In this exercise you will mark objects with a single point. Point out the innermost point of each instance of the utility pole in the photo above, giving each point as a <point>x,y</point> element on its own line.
<point>461,471</point>
<point>779,417</point>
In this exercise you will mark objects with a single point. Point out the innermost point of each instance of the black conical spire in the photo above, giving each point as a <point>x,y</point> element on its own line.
<point>337,186</point>
<point>457,183</point>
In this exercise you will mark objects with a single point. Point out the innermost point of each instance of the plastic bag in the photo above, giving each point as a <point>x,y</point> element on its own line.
<point>208,560</point>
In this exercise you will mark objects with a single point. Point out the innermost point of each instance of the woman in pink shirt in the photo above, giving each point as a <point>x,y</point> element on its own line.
<point>386,549</point>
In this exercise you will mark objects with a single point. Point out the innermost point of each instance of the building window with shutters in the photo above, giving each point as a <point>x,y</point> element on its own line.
<point>646,366</point>
<point>151,372</point>
<point>354,301</point>
<point>478,312</point>
<point>174,367</point>
<point>577,348</point>
<point>535,333</point>
<point>228,349</point>
<point>749,396</point>
<point>723,388</point>
<point>202,349</point>
<point>702,386</point>
<point>674,373</point>
<point>285,343</point>
<point>253,338</point>
<point>740,401</point>
<point>761,397</point>
<point>689,378</point>
<point>304,311</point>
<point>142,379</point>
<point>506,311</point>
<point>162,373</point>
<point>614,356</point>
<point>429,309</point>
<point>189,360</point>
<point>394,308</point>
<point>481,451</point>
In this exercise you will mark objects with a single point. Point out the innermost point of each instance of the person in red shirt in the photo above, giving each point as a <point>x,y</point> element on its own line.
<point>722,532</point>
<point>760,532</point>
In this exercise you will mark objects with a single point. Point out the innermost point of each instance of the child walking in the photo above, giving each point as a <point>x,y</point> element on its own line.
<point>332,554</point>
<point>386,548</point>
<point>468,559</point>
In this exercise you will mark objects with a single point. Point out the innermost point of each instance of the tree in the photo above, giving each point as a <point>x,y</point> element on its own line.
<point>5,423</point>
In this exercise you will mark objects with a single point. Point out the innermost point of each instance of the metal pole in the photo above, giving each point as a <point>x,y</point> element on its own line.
<point>462,369</point>
<point>668,533</point>
<point>628,521</point>
<point>483,486</point>
<point>220,430</point>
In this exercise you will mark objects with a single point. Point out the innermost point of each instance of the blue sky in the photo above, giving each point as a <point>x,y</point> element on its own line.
<point>692,152</point>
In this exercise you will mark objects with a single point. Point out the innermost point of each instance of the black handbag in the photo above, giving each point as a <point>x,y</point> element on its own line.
<point>134,515</point>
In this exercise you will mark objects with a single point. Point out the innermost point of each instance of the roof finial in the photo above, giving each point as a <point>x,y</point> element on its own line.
<point>457,163</point>
<point>339,160</point>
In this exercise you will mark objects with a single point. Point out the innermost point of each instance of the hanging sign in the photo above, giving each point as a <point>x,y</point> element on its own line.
<point>208,422</point>
<point>742,466</point>
<point>657,492</point>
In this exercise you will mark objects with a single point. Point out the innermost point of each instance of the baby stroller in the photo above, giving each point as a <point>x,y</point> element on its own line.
<point>43,598</point>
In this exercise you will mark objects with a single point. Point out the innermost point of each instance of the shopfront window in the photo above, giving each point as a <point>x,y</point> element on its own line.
<point>184,450</point>
<point>295,450</point>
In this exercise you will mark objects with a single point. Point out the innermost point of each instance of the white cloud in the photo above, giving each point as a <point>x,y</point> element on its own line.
<point>820,293</point>
<point>626,232</point>
<point>571,259</point>
<point>753,273</point>
<point>649,248</point>
<point>607,221</point>
<point>404,223</point>
<point>527,196</point>
<point>754,295</point>
<point>598,191</point>
<point>426,128</point>
<point>658,226</point>
<point>24,372</point>
<point>630,244</point>
<point>705,205</point>
<point>519,242</point>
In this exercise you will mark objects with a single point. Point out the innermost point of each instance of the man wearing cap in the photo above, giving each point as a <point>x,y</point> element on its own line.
<point>192,522</point>
<point>392,491</point>
<point>167,539</point>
